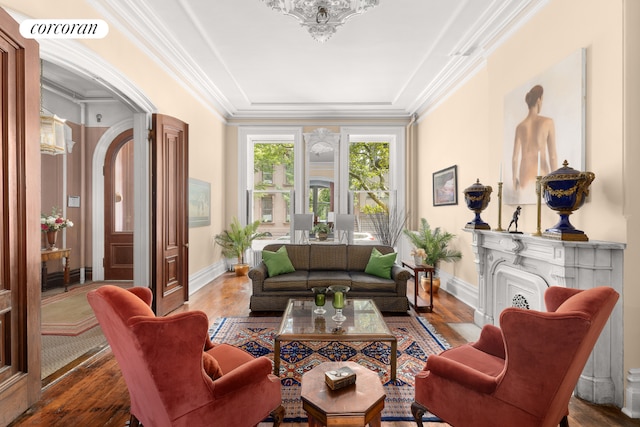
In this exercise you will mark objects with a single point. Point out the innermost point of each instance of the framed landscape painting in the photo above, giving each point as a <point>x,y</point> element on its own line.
<point>445,186</point>
<point>199,203</point>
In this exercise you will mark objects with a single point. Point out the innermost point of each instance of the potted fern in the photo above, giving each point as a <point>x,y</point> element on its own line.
<point>235,242</point>
<point>435,244</point>
<point>322,230</point>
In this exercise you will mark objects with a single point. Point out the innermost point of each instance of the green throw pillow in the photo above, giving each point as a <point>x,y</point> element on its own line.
<point>380,265</point>
<point>277,262</point>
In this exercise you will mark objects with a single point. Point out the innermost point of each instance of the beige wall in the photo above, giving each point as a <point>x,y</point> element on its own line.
<point>206,129</point>
<point>631,175</point>
<point>467,130</point>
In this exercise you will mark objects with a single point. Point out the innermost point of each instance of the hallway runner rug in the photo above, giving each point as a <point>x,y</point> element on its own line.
<point>417,339</point>
<point>69,313</point>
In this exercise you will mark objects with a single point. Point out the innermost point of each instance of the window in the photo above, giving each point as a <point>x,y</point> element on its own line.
<point>374,167</point>
<point>267,209</point>
<point>267,174</point>
<point>287,212</point>
<point>369,176</point>
<point>266,154</point>
<point>289,174</point>
<point>366,175</point>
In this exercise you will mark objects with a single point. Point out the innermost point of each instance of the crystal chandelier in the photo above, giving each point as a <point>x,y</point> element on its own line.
<point>321,17</point>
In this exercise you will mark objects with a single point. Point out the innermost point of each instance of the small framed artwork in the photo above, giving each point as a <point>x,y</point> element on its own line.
<point>445,186</point>
<point>199,203</point>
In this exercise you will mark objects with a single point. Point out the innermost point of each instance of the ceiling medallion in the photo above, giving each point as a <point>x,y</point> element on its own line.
<point>321,17</point>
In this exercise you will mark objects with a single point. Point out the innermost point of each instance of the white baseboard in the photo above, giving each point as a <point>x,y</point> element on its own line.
<point>200,278</point>
<point>465,292</point>
<point>632,394</point>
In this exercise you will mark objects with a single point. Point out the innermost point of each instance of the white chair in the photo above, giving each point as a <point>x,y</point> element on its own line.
<point>302,223</point>
<point>344,227</point>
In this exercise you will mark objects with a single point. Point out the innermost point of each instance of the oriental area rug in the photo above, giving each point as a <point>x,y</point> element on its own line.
<point>417,339</point>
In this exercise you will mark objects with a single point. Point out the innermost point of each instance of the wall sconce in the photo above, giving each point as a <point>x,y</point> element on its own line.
<point>99,117</point>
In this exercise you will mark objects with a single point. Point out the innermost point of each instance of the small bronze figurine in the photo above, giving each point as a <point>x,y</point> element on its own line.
<point>514,221</point>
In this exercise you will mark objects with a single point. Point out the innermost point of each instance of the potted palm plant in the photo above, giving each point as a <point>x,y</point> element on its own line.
<point>435,244</point>
<point>235,242</point>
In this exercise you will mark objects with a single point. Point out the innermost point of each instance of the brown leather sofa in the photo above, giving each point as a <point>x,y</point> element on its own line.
<point>323,265</point>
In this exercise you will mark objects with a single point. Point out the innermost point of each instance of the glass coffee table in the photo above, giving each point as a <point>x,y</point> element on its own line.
<point>364,322</point>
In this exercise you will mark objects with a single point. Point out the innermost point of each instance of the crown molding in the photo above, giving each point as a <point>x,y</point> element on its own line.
<point>470,54</point>
<point>137,21</point>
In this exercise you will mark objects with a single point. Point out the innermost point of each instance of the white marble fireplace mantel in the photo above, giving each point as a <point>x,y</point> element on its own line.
<point>515,269</point>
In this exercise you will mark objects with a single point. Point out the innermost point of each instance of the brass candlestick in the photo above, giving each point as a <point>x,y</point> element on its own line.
<point>538,201</point>
<point>499,227</point>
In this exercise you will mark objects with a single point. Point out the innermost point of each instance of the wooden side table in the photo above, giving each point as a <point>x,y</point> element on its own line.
<point>48,254</point>
<point>353,406</point>
<point>417,269</point>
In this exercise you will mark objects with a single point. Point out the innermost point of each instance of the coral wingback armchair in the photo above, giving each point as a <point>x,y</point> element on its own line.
<point>521,374</point>
<point>175,375</point>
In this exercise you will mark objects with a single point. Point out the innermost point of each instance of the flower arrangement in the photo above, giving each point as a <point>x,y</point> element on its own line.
<point>54,221</point>
<point>419,253</point>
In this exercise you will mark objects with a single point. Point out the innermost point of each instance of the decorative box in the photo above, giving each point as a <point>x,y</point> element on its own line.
<point>340,378</point>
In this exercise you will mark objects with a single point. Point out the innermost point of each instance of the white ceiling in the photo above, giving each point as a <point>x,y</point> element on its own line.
<point>247,60</point>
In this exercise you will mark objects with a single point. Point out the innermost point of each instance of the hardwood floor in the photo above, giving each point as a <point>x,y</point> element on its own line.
<point>93,393</point>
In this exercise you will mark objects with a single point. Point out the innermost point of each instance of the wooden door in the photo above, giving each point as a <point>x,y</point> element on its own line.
<point>170,231</point>
<point>118,208</point>
<point>19,221</point>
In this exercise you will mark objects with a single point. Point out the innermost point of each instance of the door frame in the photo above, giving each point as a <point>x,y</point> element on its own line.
<point>76,57</point>
<point>142,207</point>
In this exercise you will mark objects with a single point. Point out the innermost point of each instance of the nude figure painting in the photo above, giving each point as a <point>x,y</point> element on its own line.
<point>543,126</point>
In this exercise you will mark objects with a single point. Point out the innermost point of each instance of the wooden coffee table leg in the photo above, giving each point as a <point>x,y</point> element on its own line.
<point>276,356</point>
<point>313,422</point>
<point>394,359</point>
<point>376,421</point>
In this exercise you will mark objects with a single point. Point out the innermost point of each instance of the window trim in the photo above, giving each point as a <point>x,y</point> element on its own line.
<point>395,136</point>
<point>247,137</point>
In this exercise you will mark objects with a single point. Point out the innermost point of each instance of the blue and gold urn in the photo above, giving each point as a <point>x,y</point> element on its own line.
<point>564,190</point>
<point>477,197</point>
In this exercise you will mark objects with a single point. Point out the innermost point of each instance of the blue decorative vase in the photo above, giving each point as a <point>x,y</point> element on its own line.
<point>477,197</point>
<point>564,190</point>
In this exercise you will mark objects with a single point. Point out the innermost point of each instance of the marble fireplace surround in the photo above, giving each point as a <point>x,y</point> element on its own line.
<point>515,269</point>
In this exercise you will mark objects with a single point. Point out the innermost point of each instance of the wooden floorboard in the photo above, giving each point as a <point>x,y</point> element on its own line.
<point>94,393</point>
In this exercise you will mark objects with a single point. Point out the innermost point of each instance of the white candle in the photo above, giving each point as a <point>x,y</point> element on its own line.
<point>500,180</point>
<point>538,164</point>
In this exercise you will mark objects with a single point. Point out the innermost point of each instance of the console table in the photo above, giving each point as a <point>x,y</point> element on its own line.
<point>417,269</point>
<point>49,254</point>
